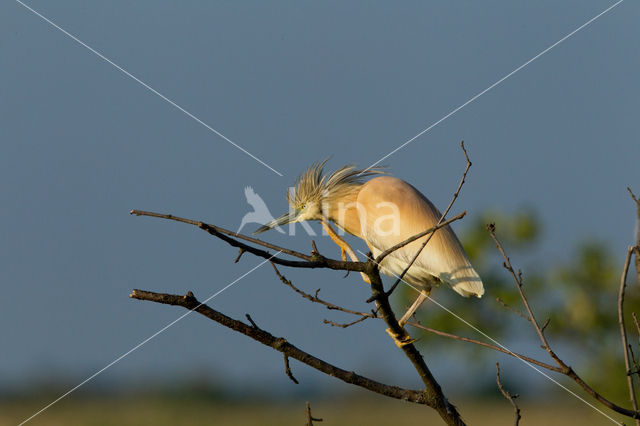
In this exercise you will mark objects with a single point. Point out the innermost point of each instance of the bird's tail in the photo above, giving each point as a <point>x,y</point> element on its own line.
<point>465,281</point>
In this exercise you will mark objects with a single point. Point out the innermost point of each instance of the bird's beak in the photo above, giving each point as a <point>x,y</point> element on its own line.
<point>282,220</point>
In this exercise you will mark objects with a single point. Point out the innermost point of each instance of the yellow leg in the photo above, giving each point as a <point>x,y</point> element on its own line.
<point>399,340</point>
<point>344,247</point>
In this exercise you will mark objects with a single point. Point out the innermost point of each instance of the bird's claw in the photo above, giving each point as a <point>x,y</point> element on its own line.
<point>399,340</point>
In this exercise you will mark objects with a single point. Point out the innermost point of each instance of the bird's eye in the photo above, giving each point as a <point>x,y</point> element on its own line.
<point>302,206</point>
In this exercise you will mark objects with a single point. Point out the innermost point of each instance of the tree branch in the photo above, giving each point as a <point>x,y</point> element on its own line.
<point>508,396</point>
<point>287,370</point>
<point>433,392</point>
<point>316,299</point>
<point>636,249</point>
<point>486,345</point>
<point>311,261</point>
<point>623,332</point>
<point>566,370</point>
<point>280,344</point>
<point>310,418</point>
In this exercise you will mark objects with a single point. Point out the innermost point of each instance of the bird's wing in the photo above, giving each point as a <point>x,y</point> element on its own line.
<point>392,211</point>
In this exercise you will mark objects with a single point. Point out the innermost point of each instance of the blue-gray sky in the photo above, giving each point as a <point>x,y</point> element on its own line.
<point>291,82</point>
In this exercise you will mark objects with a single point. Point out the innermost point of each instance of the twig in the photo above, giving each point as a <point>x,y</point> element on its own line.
<point>636,249</point>
<point>504,304</point>
<point>240,253</point>
<point>253,324</point>
<point>280,344</point>
<point>635,321</point>
<point>314,249</point>
<point>310,418</point>
<point>287,370</point>
<point>345,325</point>
<point>315,298</point>
<point>508,396</point>
<point>623,332</point>
<point>486,345</point>
<point>566,369</point>
<point>633,361</point>
<point>518,280</point>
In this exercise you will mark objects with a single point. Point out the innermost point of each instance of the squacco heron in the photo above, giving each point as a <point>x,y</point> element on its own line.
<point>383,211</point>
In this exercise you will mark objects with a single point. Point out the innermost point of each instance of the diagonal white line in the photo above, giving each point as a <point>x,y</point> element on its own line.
<point>507,349</point>
<point>145,85</point>
<point>494,85</point>
<point>146,340</point>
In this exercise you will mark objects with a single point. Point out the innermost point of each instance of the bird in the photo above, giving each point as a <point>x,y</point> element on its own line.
<point>260,213</point>
<point>383,211</point>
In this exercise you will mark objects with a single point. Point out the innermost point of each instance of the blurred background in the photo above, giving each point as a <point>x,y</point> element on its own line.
<point>553,149</point>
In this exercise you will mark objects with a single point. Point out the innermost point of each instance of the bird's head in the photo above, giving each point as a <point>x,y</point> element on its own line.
<point>314,193</point>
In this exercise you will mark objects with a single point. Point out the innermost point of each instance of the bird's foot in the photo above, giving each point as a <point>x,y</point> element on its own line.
<point>343,254</point>
<point>400,340</point>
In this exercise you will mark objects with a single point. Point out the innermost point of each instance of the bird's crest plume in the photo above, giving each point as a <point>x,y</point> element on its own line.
<point>314,185</point>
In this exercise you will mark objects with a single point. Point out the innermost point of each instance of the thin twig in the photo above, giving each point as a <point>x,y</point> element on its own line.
<point>310,418</point>
<point>634,370</point>
<point>546,323</point>
<point>253,324</point>
<point>316,299</point>
<point>240,253</point>
<point>623,332</point>
<point>486,345</point>
<point>635,321</point>
<point>287,370</point>
<point>566,369</point>
<point>508,396</point>
<point>636,249</point>
<point>514,310</point>
<point>518,280</point>
<point>345,325</point>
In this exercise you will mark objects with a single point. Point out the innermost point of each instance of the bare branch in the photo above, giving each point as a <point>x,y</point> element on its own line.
<point>316,299</point>
<point>508,396</point>
<point>518,280</point>
<point>310,418</point>
<point>240,253</point>
<point>287,370</point>
<point>348,324</point>
<point>280,344</point>
<point>623,332</point>
<point>486,345</point>
<point>438,401</point>
<point>515,311</point>
<point>636,249</point>
<point>566,369</point>
<point>313,261</point>
<point>253,324</point>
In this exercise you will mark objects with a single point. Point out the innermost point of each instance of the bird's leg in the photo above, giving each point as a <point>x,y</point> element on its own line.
<point>406,339</point>
<point>344,247</point>
<point>414,307</point>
